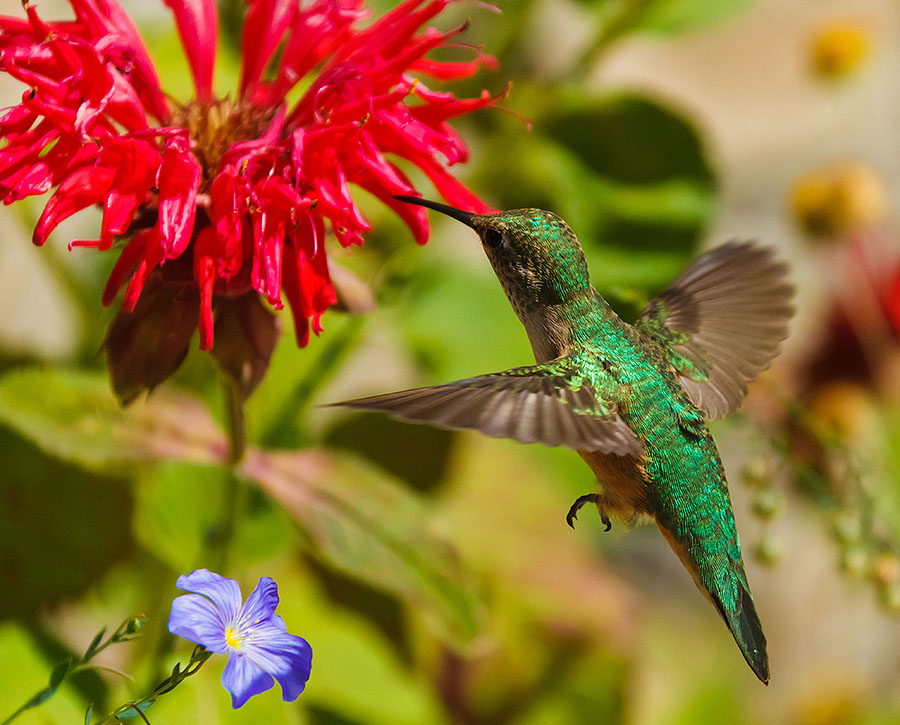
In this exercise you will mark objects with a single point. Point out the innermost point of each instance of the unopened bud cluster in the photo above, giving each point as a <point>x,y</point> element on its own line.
<point>758,474</point>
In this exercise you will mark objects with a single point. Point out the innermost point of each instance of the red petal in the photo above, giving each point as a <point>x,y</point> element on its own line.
<point>135,163</point>
<point>316,31</point>
<point>415,217</point>
<point>107,19</point>
<point>447,70</point>
<point>264,25</point>
<point>123,268</point>
<point>229,236</point>
<point>16,120</point>
<point>205,276</point>
<point>151,256</point>
<point>292,292</point>
<point>307,284</point>
<point>178,179</point>
<point>276,202</point>
<point>442,106</point>
<point>198,25</point>
<point>83,187</point>
<point>33,180</point>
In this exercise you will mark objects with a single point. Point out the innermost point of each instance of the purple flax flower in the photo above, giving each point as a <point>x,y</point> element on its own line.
<point>253,636</point>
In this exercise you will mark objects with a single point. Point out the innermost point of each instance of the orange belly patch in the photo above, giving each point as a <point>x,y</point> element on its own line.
<point>623,485</point>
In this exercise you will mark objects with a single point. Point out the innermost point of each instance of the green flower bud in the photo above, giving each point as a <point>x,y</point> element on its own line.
<point>769,550</point>
<point>757,472</point>
<point>847,528</point>
<point>889,596</point>
<point>854,560</point>
<point>768,504</point>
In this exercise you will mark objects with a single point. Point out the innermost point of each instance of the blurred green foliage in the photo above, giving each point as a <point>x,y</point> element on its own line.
<point>432,572</point>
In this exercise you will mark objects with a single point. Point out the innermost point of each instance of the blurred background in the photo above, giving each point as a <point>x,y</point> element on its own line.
<point>433,572</point>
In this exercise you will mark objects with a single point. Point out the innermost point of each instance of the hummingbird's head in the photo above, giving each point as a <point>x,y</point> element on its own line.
<point>534,253</point>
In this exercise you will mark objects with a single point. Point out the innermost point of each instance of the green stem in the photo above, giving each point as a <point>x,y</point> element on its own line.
<point>103,668</point>
<point>127,631</point>
<point>133,708</point>
<point>614,28</point>
<point>237,424</point>
<point>235,488</point>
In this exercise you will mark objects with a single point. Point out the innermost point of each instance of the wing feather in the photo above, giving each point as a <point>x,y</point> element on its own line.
<point>722,321</point>
<point>549,404</point>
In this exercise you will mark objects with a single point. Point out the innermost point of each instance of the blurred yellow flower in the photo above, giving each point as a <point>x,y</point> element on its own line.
<point>839,197</point>
<point>844,409</point>
<point>886,569</point>
<point>839,49</point>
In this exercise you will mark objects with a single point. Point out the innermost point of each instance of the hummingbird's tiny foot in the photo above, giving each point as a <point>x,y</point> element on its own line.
<point>606,522</point>
<point>579,502</point>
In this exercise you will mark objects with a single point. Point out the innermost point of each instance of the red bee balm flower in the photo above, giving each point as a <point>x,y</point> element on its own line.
<point>222,199</point>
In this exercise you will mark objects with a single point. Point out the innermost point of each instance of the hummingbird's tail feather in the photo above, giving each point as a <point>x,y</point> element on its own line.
<point>724,582</point>
<point>747,631</point>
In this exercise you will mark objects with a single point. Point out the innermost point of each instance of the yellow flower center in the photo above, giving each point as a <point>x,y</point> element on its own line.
<point>218,125</point>
<point>233,639</point>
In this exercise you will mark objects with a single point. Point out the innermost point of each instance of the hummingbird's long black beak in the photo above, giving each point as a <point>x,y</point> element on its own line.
<point>461,216</point>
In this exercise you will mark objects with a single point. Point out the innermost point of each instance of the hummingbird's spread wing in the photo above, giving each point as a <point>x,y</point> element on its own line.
<point>547,404</point>
<point>721,322</point>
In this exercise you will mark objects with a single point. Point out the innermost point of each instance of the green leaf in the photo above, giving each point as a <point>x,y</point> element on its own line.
<point>61,528</point>
<point>387,443</point>
<point>59,674</point>
<point>88,714</point>
<point>667,17</point>
<point>74,416</point>
<point>129,711</point>
<point>56,677</point>
<point>628,138</point>
<point>92,647</point>
<point>365,524</point>
<point>277,407</point>
<point>344,644</point>
<point>673,17</point>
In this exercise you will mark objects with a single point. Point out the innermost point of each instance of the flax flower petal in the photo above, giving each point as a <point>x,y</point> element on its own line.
<point>286,657</point>
<point>198,619</point>
<point>224,593</point>
<point>244,679</point>
<point>261,603</point>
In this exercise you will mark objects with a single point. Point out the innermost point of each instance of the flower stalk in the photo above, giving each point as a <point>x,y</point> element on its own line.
<point>235,494</point>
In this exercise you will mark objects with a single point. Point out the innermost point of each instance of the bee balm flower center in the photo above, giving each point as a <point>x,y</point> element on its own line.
<point>216,126</point>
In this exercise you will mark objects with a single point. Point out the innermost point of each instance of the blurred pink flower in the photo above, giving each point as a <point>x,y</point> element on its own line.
<point>240,191</point>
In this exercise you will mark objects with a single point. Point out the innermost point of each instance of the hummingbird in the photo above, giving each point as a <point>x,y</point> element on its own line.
<point>632,400</point>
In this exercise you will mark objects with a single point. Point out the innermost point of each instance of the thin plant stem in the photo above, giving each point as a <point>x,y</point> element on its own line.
<point>235,487</point>
<point>612,30</point>
<point>237,424</point>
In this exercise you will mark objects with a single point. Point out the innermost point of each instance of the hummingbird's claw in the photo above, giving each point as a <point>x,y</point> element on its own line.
<point>581,501</point>
<point>606,522</point>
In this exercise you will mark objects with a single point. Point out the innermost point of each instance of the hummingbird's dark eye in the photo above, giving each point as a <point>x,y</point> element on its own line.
<point>493,238</point>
